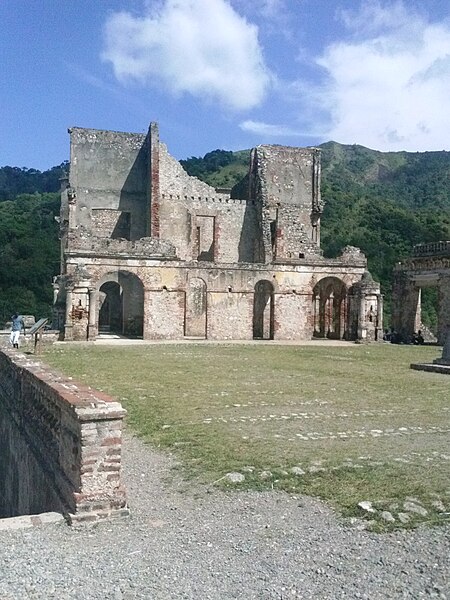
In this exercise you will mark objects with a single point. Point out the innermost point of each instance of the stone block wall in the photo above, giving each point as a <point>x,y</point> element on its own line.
<point>60,445</point>
<point>115,180</point>
<point>230,316</point>
<point>164,314</point>
<point>293,318</point>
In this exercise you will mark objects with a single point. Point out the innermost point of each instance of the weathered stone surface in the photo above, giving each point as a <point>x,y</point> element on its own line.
<point>404,518</point>
<point>412,507</point>
<point>366,505</point>
<point>387,516</point>
<point>235,477</point>
<point>297,471</point>
<point>429,265</point>
<point>149,251</point>
<point>60,444</point>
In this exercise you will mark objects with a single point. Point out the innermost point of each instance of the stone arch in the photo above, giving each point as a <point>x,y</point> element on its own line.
<point>196,308</point>
<point>263,310</point>
<point>330,308</point>
<point>121,304</point>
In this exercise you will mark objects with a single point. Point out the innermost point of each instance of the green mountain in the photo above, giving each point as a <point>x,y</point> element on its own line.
<point>15,181</point>
<point>382,202</point>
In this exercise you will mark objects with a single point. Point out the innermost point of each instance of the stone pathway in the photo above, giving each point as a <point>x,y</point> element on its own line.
<point>199,543</point>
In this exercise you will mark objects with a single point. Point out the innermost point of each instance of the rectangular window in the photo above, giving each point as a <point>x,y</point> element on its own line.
<point>205,238</point>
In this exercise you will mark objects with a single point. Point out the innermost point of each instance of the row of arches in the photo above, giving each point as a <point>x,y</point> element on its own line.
<point>121,308</point>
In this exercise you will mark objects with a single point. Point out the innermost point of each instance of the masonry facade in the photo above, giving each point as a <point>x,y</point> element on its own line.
<point>149,251</point>
<point>429,266</point>
<point>60,444</point>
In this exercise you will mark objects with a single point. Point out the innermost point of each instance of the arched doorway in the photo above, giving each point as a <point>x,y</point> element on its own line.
<point>195,313</point>
<point>110,314</point>
<point>121,304</point>
<point>330,308</point>
<point>263,311</point>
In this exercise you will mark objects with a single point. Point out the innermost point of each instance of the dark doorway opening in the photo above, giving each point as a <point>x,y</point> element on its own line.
<point>263,311</point>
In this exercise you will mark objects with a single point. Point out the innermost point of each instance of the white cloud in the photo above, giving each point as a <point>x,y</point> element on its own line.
<point>265,129</point>
<point>200,47</point>
<point>388,87</point>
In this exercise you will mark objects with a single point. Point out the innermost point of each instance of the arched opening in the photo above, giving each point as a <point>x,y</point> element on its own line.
<point>110,314</point>
<point>330,308</point>
<point>263,311</point>
<point>121,305</point>
<point>195,313</point>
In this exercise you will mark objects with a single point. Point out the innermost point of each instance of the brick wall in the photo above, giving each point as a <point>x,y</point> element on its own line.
<point>60,445</point>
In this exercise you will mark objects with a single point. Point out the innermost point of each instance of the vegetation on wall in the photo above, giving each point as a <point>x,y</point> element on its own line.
<point>382,202</point>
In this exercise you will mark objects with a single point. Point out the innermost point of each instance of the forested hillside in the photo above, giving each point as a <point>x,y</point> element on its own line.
<point>384,203</point>
<point>29,246</point>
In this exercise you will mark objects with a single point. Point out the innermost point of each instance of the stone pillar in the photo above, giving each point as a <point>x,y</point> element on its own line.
<point>380,309</point>
<point>68,325</point>
<point>405,297</point>
<point>362,331</point>
<point>369,317</point>
<point>445,359</point>
<point>92,320</point>
<point>418,319</point>
<point>444,308</point>
<point>153,179</point>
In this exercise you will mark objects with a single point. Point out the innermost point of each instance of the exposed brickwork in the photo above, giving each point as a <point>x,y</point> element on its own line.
<point>61,444</point>
<point>154,180</point>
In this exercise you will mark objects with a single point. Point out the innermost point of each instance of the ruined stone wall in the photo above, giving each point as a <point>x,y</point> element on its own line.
<point>164,314</point>
<point>228,294</point>
<point>293,315</point>
<point>444,309</point>
<point>208,264</point>
<point>286,183</point>
<point>230,315</point>
<point>186,201</point>
<point>60,444</point>
<point>109,178</point>
<point>428,267</point>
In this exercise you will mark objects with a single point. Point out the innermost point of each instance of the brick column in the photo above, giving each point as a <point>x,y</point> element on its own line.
<point>92,324</point>
<point>68,325</point>
<point>444,308</point>
<point>153,184</point>
<point>405,296</point>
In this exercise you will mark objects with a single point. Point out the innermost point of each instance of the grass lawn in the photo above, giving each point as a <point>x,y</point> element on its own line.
<point>356,421</point>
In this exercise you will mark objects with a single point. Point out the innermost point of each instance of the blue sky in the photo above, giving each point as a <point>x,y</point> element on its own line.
<point>227,74</point>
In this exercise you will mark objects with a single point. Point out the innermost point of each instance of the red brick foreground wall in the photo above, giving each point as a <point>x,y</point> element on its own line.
<point>60,444</point>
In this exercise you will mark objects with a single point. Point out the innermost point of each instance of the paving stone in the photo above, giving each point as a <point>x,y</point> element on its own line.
<point>367,506</point>
<point>235,477</point>
<point>412,507</point>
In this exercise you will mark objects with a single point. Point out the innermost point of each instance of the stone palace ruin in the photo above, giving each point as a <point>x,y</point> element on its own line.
<point>149,251</point>
<point>429,266</point>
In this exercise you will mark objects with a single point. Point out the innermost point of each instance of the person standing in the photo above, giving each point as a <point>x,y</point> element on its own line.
<point>17,326</point>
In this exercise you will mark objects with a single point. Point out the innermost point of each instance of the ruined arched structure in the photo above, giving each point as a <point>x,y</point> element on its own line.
<point>330,308</point>
<point>113,303</point>
<point>429,266</point>
<point>365,310</point>
<point>149,251</point>
<point>120,304</point>
<point>110,310</point>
